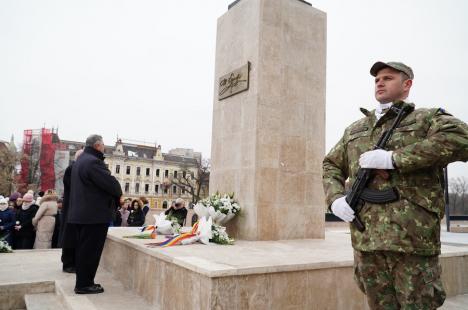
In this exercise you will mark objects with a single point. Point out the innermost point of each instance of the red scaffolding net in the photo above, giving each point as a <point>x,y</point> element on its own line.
<point>38,160</point>
<point>26,159</point>
<point>47,160</point>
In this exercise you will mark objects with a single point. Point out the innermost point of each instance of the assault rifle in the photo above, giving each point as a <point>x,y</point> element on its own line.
<point>359,192</point>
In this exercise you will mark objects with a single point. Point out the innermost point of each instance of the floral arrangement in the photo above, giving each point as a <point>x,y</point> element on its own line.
<point>200,232</point>
<point>174,224</point>
<point>146,232</point>
<point>221,208</point>
<point>220,236</point>
<point>5,247</point>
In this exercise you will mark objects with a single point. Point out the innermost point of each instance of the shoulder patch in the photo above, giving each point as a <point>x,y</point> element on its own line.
<point>442,111</point>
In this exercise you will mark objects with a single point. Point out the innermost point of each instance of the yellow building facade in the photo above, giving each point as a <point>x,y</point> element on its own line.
<point>144,171</point>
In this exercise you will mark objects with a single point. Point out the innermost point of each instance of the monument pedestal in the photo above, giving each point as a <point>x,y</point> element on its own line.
<point>268,141</point>
<point>291,274</point>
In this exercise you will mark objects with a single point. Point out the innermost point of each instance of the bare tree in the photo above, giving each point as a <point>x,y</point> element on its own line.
<point>196,184</point>
<point>458,188</point>
<point>8,160</point>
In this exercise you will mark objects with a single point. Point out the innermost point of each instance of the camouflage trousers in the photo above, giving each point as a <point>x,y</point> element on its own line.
<point>394,280</point>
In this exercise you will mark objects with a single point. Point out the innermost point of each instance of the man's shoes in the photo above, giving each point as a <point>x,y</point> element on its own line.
<point>69,270</point>
<point>93,289</point>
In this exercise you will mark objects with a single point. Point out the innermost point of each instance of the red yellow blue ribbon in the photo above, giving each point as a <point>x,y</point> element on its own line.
<point>176,239</point>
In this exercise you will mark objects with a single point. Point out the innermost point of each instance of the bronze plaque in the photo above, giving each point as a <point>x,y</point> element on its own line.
<point>233,83</point>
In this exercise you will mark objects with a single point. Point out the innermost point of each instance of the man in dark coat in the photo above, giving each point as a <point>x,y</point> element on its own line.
<point>67,234</point>
<point>94,193</point>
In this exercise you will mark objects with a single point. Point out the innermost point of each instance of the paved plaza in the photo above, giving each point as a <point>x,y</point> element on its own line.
<point>37,273</point>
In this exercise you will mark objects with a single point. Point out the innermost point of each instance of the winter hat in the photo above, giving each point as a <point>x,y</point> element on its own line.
<point>15,196</point>
<point>3,204</point>
<point>28,198</point>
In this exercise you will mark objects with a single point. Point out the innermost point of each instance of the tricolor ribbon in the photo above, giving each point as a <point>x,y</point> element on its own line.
<point>176,239</point>
<point>152,228</point>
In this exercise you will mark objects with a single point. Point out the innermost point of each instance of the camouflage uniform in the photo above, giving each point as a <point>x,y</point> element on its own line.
<point>424,142</point>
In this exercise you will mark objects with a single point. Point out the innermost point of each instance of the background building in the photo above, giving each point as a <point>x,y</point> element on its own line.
<point>144,171</point>
<point>141,168</point>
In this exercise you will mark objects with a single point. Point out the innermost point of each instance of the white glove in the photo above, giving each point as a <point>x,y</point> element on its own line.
<point>377,159</point>
<point>342,209</point>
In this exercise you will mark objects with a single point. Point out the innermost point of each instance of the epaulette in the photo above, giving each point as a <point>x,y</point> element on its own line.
<point>442,111</point>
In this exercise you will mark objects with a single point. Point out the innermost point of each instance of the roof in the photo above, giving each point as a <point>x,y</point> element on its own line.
<point>137,151</point>
<point>132,150</point>
<point>180,159</point>
<point>76,145</point>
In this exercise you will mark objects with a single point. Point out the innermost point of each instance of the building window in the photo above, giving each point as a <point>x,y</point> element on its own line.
<point>128,170</point>
<point>183,190</point>
<point>166,173</point>
<point>137,188</point>
<point>175,174</point>
<point>127,187</point>
<point>146,188</point>
<point>138,170</point>
<point>165,204</point>
<point>157,172</point>
<point>174,189</point>
<point>147,172</point>
<point>165,190</point>
<point>117,169</point>
<point>156,188</point>
<point>184,173</point>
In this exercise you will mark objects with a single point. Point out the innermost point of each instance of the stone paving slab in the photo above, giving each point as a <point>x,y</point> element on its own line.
<point>44,301</point>
<point>43,267</point>
<point>459,302</point>
<point>115,297</point>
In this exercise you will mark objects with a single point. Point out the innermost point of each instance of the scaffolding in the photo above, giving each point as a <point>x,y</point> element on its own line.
<point>38,159</point>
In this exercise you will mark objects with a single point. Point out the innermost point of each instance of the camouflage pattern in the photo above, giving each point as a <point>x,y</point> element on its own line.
<point>424,142</point>
<point>393,280</point>
<point>399,66</point>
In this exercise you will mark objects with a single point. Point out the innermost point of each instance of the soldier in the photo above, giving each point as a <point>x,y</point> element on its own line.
<point>396,257</point>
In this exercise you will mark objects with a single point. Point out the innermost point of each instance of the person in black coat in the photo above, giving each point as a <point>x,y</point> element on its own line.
<point>94,194</point>
<point>177,211</point>
<point>67,233</point>
<point>24,233</point>
<point>145,205</point>
<point>7,221</point>
<point>136,218</point>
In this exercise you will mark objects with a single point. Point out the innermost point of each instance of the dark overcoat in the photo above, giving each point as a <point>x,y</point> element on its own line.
<point>94,192</point>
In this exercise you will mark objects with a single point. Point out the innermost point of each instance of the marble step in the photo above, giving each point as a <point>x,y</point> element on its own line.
<point>115,296</point>
<point>43,301</point>
<point>459,302</point>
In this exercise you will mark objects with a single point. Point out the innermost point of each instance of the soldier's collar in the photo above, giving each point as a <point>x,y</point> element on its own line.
<point>365,111</point>
<point>392,113</point>
<point>398,104</point>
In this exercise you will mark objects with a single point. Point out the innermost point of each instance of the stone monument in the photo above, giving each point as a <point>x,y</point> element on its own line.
<point>268,136</point>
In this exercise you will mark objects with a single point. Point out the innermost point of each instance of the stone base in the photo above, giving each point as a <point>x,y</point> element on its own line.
<point>459,229</point>
<point>293,274</point>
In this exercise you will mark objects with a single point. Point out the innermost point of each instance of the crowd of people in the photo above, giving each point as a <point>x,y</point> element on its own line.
<point>78,222</point>
<point>31,221</point>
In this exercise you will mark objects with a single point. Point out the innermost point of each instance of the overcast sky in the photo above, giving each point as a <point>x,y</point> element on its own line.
<point>143,70</point>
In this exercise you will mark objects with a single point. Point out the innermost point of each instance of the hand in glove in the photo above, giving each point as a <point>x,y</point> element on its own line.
<point>342,209</point>
<point>376,159</point>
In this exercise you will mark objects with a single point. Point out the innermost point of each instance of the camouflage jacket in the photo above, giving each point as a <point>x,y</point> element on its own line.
<point>424,142</point>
